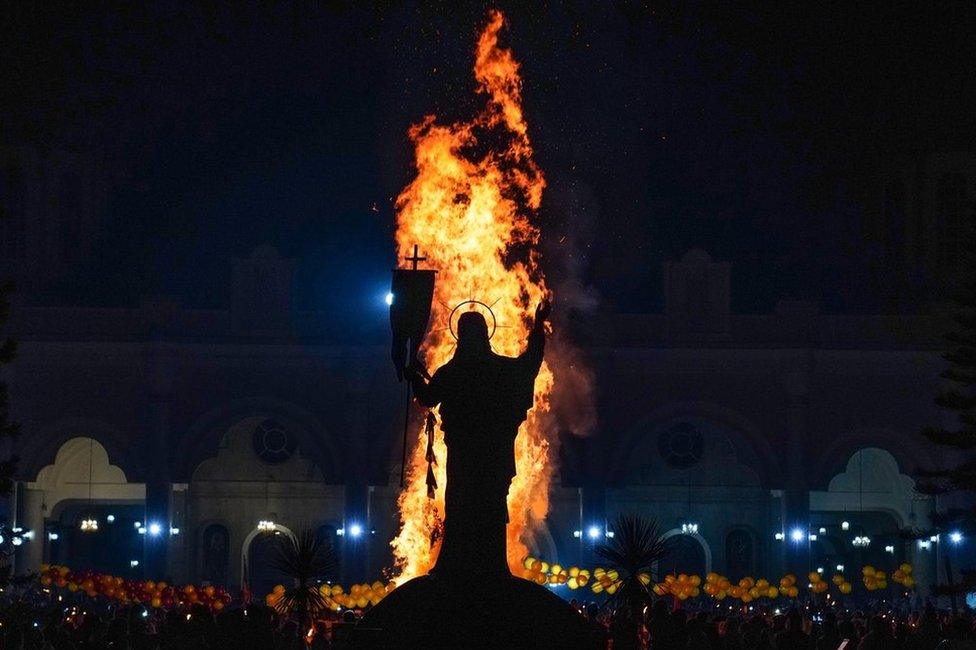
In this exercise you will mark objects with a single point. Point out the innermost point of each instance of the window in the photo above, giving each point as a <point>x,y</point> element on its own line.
<point>681,446</point>
<point>272,443</point>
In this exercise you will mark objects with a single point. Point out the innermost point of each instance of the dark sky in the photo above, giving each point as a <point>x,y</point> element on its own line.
<point>660,126</point>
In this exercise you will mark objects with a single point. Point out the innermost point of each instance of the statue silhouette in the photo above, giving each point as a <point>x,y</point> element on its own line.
<point>483,399</point>
<point>470,599</point>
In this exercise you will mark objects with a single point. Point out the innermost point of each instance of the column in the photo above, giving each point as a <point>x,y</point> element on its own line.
<point>796,494</point>
<point>32,519</point>
<point>160,368</point>
<point>358,529</point>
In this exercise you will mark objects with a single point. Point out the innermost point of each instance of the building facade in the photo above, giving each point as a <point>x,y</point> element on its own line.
<point>761,442</point>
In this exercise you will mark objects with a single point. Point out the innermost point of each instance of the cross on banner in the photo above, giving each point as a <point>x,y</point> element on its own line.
<point>416,258</point>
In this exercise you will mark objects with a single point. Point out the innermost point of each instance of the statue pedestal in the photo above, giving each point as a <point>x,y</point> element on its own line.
<point>491,612</point>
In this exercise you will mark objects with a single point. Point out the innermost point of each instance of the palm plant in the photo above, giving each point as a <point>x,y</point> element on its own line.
<point>634,549</point>
<point>307,559</point>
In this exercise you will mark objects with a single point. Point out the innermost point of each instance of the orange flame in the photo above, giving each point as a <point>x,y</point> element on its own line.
<point>470,209</point>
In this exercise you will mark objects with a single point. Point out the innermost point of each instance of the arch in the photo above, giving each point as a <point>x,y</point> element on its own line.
<point>838,451</point>
<point>82,470</point>
<point>41,449</point>
<point>872,481</point>
<point>213,559</point>
<point>202,440</point>
<point>246,547</point>
<point>764,462</point>
<point>702,543</point>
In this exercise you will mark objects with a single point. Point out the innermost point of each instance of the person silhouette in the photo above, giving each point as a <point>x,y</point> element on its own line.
<point>483,399</point>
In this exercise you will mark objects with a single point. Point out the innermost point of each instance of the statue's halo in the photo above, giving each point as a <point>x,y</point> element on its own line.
<point>476,305</point>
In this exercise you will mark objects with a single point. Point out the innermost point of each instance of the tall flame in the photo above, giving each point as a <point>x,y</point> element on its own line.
<point>470,208</point>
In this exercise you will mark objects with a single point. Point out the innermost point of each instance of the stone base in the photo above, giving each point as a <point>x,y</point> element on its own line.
<point>438,612</point>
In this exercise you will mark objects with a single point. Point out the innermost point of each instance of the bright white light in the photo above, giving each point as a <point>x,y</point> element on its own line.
<point>174,531</point>
<point>689,529</point>
<point>840,567</point>
<point>812,537</point>
<point>934,538</point>
<point>819,569</point>
<point>53,537</point>
<point>340,531</point>
<point>155,529</point>
<point>861,541</point>
<point>889,549</point>
<point>1,539</point>
<point>389,298</point>
<point>266,525</point>
<point>137,524</point>
<point>577,533</point>
<point>355,530</point>
<point>133,563</point>
<point>955,537</point>
<point>845,525</point>
<point>110,519</point>
<point>16,541</point>
<point>610,534</point>
<point>142,530</point>
<point>924,544</point>
<point>797,535</point>
<point>30,535</point>
<point>823,531</point>
<point>778,536</point>
<point>593,532</point>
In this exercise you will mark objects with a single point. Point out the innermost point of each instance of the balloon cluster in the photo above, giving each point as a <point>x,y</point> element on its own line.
<point>842,584</point>
<point>681,586</point>
<point>719,587</point>
<point>603,580</point>
<point>336,597</point>
<point>787,586</point>
<point>541,573</point>
<point>128,591</point>
<point>817,584</point>
<point>874,579</point>
<point>903,576</point>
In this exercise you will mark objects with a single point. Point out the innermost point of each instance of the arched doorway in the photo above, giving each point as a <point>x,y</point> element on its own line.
<point>214,554</point>
<point>82,483</point>
<point>871,499</point>
<point>258,554</point>
<point>687,553</point>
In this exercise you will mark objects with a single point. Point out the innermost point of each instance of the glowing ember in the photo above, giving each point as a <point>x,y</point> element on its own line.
<point>469,208</point>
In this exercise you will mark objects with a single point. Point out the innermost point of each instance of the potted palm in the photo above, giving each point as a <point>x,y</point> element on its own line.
<point>636,546</point>
<point>307,559</point>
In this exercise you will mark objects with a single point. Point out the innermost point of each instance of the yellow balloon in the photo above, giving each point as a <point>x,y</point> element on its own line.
<point>906,568</point>
<point>772,592</point>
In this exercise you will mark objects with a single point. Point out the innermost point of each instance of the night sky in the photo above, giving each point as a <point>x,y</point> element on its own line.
<point>660,126</point>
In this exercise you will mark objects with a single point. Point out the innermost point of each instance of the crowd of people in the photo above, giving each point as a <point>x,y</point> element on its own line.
<point>809,628</point>
<point>38,624</point>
